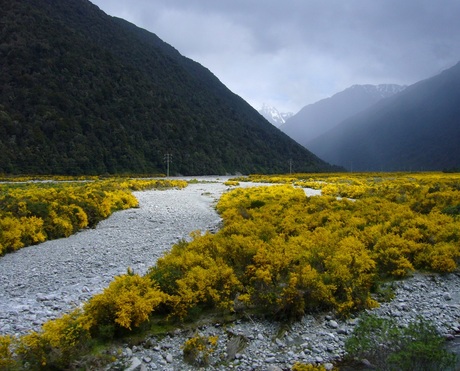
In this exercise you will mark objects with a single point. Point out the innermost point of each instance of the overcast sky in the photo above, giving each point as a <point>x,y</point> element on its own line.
<point>290,53</point>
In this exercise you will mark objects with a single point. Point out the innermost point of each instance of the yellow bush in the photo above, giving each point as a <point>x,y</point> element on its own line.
<point>32,230</point>
<point>34,212</point>
<point>59,225</point>
<point>32,349</point>
<point>393,255</point>
<point>278,251</point>
<point>307,367</point>
<point>232,183</point>
<point>210,285</point>
<point>196,273</point>
<point>128,301</point>
<point>269,233</point>
<point>65,333</point>
<point>198,349</point>
<point>10,234</point>
<point>6,354</point>
<point>441,257</point>
<point>59,342</point>
<point>352,271</point>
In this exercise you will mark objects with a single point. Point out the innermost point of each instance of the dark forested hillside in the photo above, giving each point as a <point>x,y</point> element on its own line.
<point>417,129</point>
<point>83,92</point>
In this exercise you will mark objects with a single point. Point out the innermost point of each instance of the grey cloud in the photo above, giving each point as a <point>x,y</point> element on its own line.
<point>302,50</point>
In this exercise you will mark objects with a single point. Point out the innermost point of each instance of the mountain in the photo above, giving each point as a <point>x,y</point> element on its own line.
<point>317,118</point>
<point>86,93</point>
<point>416,129</point>
<point>273,116</point>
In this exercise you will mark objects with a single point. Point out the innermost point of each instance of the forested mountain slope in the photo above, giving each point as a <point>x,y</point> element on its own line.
<point>417,129</point>
<point>83,92</point>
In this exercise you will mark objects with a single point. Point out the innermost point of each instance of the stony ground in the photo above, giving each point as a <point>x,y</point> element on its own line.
<point>315,339</point>
<point>41,282</point>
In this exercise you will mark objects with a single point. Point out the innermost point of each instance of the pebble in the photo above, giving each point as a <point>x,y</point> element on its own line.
<point>136,365</point>
<point>333,324</point>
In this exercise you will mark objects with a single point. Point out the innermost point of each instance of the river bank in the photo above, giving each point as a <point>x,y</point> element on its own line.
<point>43,281</point>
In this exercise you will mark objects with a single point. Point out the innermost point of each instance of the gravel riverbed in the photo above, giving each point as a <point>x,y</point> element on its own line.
<point>40,282</point>
<point>43,281</point>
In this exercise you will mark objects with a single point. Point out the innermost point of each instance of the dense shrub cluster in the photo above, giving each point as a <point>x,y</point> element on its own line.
<point>279,253</point>
<point>411,220</point>
<point>33,212</point>
<point>388,346</point>
<point>284,253</point>
<point>126,303</point>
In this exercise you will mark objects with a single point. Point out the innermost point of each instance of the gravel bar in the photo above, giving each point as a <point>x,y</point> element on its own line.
<point>41,282</point>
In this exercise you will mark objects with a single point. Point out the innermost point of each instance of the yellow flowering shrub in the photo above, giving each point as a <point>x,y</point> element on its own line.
<point>127,302</point>
<point>31,213</point>
<point>10,234</point>
<point>278,252</point>
<point>440,257</point>
<point>6,354</point>
<point>32,230</point>
<point>393,255</point>
<point>352,271</point>
<point>198,349</point>
<point>33,349</point>
<point>55,346</point>
<point>66,333</point>
<point>232,183</point>
<point>307,367</point>
<point>194,274</point>
<point>271,233</point>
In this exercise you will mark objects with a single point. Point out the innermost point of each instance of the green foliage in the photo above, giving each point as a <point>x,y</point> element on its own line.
<point>452,210</point>
<point>389,346</point>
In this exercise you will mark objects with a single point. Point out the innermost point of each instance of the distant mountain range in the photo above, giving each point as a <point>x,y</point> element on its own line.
<point>274,116</point>
<point>317,118</point>
<point>413,130</point>
<point>86,93</point>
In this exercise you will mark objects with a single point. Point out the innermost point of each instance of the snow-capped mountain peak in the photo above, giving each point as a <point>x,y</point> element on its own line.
<point>274,116</point>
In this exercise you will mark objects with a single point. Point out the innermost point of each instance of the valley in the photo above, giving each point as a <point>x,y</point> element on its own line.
<point>152,219</point>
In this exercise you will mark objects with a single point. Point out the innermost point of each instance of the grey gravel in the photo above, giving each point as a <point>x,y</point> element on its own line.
<point>42,282</point>
<point>315,339</point>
